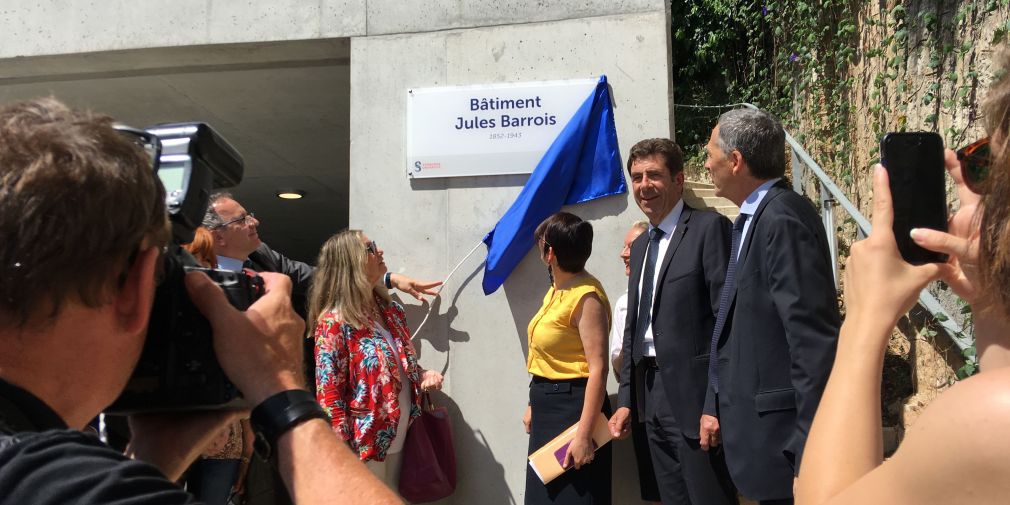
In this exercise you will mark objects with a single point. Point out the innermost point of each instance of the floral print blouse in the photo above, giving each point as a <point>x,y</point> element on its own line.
<point>358,379</point>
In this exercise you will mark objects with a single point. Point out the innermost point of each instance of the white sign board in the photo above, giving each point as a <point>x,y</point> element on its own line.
<point>488,130</point>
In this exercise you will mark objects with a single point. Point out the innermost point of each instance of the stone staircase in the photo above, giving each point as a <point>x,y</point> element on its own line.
<point>701,195</point>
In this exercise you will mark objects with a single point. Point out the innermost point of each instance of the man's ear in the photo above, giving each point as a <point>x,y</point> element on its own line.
<point>135,297</point>
<point>738,162</point>
<point>678,180</point>
<point>219,240</point>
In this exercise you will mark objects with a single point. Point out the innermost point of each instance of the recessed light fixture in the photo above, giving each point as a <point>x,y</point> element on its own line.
<point>290,194</point>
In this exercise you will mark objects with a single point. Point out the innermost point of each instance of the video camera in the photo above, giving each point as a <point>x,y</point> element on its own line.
<point>178,369</point>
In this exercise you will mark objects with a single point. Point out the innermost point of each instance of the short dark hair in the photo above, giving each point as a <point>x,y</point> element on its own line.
<point>570,237</point>
<point>666,148</point>
<point>759,138</point>
<point>77,200</point>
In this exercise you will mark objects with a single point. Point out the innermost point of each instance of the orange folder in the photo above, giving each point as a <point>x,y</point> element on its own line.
<point>547,460</point>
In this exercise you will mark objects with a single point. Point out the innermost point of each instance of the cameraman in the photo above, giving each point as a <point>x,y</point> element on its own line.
<point>82,224</point>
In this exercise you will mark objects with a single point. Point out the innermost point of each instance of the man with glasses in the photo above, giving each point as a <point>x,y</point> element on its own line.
<point>237,245</point>
<point>83,225</point>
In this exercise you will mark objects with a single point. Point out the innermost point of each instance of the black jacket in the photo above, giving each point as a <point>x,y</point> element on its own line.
<point>265,259</point>
<point>777,348</point>
<point>683,313</point>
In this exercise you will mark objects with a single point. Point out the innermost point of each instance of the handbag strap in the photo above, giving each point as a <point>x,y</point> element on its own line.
<point>426,403</point>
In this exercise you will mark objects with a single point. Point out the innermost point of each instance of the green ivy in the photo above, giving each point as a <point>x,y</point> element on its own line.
<point>798,59</point>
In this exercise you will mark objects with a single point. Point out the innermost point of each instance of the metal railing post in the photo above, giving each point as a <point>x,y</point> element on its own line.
<point>828,217</point>
<point>797,172</point>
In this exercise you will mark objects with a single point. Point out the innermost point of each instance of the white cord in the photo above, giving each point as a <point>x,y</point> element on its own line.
<point>439,291</point>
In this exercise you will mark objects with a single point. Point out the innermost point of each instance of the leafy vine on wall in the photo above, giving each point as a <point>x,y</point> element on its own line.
<point>840,74</point>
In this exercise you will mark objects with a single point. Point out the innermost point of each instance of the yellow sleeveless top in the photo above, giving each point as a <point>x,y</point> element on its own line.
<point>555,348</point>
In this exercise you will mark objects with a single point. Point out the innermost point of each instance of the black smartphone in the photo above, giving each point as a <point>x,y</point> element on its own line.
<point>914,163</point>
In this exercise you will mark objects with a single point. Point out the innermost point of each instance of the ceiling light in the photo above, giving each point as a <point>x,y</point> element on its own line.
<point>290,194</point>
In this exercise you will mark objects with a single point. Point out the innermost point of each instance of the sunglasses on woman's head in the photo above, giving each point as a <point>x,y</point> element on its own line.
<point>975,163</point>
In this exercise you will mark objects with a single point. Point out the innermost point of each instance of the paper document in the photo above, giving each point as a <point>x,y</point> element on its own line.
<point>548,460</point>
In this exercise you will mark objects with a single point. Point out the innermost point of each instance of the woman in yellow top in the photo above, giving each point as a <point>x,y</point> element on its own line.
<point>568,361</point>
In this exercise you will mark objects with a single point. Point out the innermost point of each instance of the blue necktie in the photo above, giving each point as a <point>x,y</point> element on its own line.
<point>645,297</point>
<point>727,287</point>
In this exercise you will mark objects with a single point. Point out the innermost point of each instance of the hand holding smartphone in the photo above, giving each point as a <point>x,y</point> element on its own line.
<point>914,164</point>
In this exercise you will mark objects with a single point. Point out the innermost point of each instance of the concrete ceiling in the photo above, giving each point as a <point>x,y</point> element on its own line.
<point>284,106</point>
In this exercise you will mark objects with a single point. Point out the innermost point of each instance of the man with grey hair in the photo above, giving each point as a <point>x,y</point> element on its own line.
<point>237,246</point>
<point>77,283</point>
<point>775,335</point>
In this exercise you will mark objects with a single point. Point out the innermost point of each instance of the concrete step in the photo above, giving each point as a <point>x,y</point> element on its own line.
<point>702,195</point>
<point>698,184</point>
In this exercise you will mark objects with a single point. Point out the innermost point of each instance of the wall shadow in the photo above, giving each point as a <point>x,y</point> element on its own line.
<point>480,474</point>
<point>438,330</point>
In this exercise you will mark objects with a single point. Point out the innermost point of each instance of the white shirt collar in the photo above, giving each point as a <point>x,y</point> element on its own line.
<point>226,263</point>
<point>669,223</point>
<point>750,205</point>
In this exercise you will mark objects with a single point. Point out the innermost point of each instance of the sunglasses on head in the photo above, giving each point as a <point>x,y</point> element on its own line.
<point>975,163</point>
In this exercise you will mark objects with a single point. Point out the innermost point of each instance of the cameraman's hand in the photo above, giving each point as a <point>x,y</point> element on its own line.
<point>260,349</point>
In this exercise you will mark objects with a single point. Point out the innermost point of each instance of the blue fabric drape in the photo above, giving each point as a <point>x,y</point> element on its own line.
<point>583,163</point>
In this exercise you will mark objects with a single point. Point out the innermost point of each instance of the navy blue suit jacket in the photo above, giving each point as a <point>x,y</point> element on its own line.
<point>777,348</point>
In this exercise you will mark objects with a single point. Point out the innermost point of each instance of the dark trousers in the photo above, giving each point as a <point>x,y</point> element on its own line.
<point>648,487</point>
<point>779,501</point>
<point>686,474</point>
<point>556,406</point>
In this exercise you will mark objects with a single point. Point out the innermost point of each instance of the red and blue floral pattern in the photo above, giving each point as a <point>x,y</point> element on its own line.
<point>358,379</point>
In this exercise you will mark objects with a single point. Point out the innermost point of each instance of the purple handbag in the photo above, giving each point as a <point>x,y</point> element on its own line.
<point>428,471</point>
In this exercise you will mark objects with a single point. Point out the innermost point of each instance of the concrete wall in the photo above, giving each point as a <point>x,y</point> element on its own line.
<point>79,26</point>
<point>427,226</point>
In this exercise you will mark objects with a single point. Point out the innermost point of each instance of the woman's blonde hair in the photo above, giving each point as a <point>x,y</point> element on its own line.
<point>994,239</point>
<point>340,283</point>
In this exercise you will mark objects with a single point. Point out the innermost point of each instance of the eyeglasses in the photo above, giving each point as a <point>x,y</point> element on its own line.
<point>975,163</point>
<point>243,219</point>
<point>372,248</point>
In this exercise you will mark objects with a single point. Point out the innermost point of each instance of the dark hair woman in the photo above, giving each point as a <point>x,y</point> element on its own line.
<point>568,362</point>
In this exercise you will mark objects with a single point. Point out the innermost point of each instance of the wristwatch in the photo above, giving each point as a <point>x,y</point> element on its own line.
<point>280,413</point>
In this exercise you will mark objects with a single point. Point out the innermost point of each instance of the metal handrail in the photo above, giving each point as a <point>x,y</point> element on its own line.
<point>831,194</point>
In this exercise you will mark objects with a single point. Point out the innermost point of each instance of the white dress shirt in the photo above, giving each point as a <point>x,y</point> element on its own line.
<point>617,328</point>
<point>226,263</point>
<point>750,206</point>
<point>668,225</point>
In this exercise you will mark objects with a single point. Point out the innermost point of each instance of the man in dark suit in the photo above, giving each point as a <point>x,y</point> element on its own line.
<point>237,246</point>
<point>677,271</point>
<point>778,323</point>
